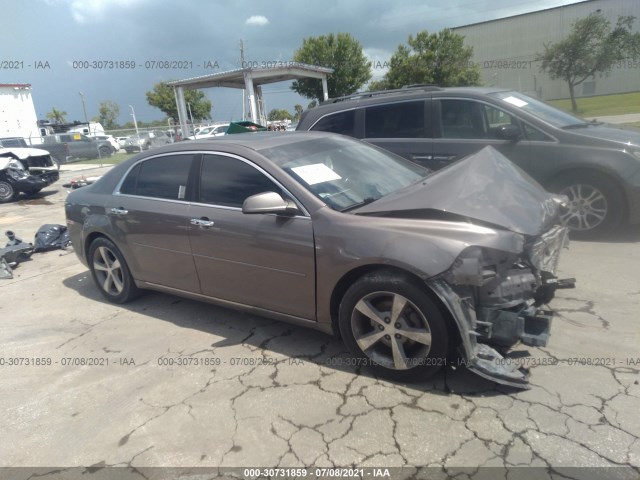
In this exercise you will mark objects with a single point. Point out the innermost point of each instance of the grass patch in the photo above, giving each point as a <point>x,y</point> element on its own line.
<point>633,124</point>
<point>620,104</point>
<point>112,160</point>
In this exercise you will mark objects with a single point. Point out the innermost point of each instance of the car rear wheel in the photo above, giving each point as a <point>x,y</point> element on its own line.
<point>7,192</point>
<point>104,152</point>
<point>595,204</point>
<point>394,327</point>
<point>110,272</point>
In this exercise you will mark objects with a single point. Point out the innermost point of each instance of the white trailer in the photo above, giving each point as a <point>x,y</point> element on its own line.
<point>17,113</point>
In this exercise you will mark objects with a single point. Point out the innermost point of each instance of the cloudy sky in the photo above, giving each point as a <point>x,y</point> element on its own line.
<point>56,33</point>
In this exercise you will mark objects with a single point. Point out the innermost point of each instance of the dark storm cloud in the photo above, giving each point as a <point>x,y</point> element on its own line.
<point>200,31</point>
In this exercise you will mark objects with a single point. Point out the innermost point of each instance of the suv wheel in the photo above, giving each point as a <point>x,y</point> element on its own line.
<point>595,203</point>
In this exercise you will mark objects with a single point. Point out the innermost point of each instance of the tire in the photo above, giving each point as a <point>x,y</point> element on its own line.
<point>104,152</point>
<point>8,193</point>
<point>110,272</point>
<point>367,312</point>
<point>596,204</point>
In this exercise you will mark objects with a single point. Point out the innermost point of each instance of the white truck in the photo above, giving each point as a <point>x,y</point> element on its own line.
<point>17,113</point>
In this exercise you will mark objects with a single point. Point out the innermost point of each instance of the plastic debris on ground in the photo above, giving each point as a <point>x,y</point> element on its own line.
<point>80,182</point>
<point>14,252</point>
<point>51,237</point>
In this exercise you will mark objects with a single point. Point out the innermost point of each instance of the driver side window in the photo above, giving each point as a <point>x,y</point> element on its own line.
<point>467,119</point>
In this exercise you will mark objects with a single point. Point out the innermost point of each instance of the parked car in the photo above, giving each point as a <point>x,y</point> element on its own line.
<point>66,147</point>
<point>107,138</point>
<point>332,233</point>
<point>146,140</point>
<point>596,165</point>
<point>121,141</point>
<point>210,132</point>
<point>24,169</point>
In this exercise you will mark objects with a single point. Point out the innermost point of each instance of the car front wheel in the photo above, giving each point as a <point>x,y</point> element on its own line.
<point>595,204</point>
<point>393,326</point>
<point>110,272</point>
<point>7,192</point>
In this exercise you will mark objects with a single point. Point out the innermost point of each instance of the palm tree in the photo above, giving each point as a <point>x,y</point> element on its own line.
<point>56,115</point>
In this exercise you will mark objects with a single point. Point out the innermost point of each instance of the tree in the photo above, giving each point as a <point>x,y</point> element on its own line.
<point>56,115</point>
<point>341,52</point>
<point>437,58</point>
<point>109,113</point>
<point>276,115</point>
<point>312,104</point>
<point>162,97</point>
<point>593,46</point>
<point>298,109</point>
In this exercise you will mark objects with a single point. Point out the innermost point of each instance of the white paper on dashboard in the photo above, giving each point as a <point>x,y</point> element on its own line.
<point>515,101</point>
<point>316,173</point>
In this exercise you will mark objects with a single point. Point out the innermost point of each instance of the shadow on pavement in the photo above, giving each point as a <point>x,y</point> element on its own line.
<point>291,341</point>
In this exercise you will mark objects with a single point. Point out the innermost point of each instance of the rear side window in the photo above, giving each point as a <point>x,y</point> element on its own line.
<point>341,122</point>
<point>161,177</point>
<point>396,120</point>
<point>228,181</point>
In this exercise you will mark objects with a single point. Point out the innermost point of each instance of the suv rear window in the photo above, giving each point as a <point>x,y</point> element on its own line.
<point>395,120</point>
<point>341,122</point>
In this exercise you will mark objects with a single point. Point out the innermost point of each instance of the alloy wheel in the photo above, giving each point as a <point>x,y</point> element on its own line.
<point>587,207</point>
<point>391,330</point>
<point>108,271</point>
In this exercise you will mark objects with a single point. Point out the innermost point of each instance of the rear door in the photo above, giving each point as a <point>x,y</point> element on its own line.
<point>402,128</point>
<point>262,260</point>
<point>150,217</point>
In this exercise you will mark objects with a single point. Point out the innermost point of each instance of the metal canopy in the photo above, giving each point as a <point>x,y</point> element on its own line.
<point>251,80</point>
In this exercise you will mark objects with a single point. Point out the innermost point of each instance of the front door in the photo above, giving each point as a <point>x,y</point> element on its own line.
<point>465,126</point>
<point>262,260</point>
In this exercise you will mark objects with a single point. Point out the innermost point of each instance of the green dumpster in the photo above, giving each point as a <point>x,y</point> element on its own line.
<point>244,127</point>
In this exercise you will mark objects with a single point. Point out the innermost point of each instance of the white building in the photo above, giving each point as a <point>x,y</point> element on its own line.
<point>17,112</point>
<point>506,49</point>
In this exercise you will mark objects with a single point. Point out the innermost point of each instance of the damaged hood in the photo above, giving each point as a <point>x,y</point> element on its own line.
<point>485,186</point>
<point>22,153</point>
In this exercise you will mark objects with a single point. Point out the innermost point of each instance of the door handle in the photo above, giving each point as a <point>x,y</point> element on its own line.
<point>118,211</point>
<point>203,222</point>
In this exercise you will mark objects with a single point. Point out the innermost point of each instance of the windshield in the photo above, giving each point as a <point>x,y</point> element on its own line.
<point>539,109</point>
<point>345,173</point>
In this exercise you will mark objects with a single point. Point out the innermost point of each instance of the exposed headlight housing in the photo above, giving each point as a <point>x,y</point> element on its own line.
<point>16,170</point>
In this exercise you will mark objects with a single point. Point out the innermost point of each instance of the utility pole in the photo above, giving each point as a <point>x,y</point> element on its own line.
<point>135,123</point>
<point>84,108</point>
<point>242,66</point>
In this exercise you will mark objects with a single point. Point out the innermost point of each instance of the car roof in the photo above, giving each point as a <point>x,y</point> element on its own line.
<point>253,140</point>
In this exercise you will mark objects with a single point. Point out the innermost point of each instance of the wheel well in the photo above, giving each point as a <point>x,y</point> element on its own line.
<point>351,277</point>
<point>89,240</point>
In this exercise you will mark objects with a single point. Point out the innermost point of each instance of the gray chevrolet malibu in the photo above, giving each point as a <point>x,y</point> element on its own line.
<point>409,267</point>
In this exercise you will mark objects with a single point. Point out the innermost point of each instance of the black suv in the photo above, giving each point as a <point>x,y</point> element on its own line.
<point>596,165</point>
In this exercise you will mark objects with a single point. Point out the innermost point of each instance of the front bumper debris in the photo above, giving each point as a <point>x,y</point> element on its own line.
<point>496,298</point>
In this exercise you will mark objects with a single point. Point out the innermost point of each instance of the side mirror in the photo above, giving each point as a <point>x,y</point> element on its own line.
<point>508,132</point>
<point>269,202</point>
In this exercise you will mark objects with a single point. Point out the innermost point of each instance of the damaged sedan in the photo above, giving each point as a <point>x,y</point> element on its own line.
<point>25,170</point>
<point>408,266</point>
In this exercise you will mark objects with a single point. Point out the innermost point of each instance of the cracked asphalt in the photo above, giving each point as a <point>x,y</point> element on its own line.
<point>181,383</point>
